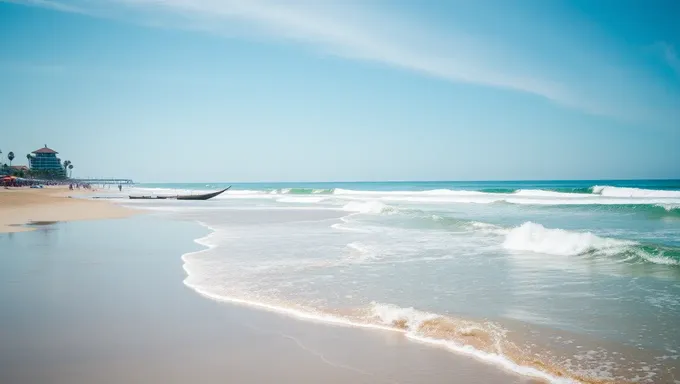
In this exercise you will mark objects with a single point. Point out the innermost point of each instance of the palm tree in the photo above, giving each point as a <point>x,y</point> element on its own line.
<point>66,164</point>
<point>70,166</point>
<point>10,156</point>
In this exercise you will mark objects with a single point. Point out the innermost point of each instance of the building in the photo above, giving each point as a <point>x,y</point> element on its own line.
<point>18,168</point>
<point>45,159</point>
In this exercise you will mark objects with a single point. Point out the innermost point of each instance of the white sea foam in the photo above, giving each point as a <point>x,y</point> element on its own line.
<point>658,259</point>
<point>433,192</point>
<point>301,199</point>
<point>602,195</point>
<point>412,320</point>
<point>536,238</point>
<point>669,207</point>
<point>543,193</point>
<point>512,198</point>
<point>367,207</point>
<point>361,253</point>
<point>238,192</point>
<point>387,314</point>
<point>487,228</point>
<point>384,312</point>
<point>633,192</point>
<point>409,317</point>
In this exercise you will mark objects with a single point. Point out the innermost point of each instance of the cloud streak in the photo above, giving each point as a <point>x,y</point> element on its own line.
<point>347,31</point>
<point>351,30</point>
<point>48,4</point>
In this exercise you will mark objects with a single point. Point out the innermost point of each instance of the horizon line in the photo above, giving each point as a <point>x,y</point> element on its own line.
<point>407,181</point>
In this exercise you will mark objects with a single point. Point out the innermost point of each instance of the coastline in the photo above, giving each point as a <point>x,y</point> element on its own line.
<point>405,328</point>
<point>19,207</point>
<point>122,314</point>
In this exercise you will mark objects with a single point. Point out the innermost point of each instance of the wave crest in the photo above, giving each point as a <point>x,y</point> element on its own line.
<point>609,191</point>
<point>669,207</point>
<point>536,238</point>
<point>302,191</point>
<point>375,207</point>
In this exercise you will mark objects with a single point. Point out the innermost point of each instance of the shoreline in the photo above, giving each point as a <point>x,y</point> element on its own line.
<point>500,362</point>
<point>153,328</point>
<point>60,199</point>
<point>517,362</point>
<point>20,208</point>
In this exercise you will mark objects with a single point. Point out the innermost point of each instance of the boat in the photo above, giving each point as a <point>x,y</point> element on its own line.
<point>151,197</point>
<point>204,196</point>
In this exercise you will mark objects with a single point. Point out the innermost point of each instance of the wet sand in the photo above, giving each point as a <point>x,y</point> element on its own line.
<point>21,206</point>
<point>103,301</point>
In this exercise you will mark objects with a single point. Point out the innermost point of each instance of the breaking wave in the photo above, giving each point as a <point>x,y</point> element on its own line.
<point>368,207</point>
<point>608,191</point>
<point>482,340</point>
<point>593,196</point>
<point>669,207</point>
<point>302,191</point>
<point>536,238</point>
<point>659,202</point>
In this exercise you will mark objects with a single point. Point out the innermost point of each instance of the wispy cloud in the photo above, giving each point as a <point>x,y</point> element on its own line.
<point>55,5</point>
<point>346,30</point>
<point>351,29</point>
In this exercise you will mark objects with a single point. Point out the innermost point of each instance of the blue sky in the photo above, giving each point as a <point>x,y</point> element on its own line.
<point>307,90</point>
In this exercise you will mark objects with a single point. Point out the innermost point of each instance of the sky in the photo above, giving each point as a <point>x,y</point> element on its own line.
<point>347,90</point>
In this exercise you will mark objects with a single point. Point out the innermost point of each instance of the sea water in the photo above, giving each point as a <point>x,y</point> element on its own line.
<point>569,281</point>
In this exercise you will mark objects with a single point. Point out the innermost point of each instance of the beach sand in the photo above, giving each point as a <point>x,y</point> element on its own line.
<point>21,206</point>
<point>103,302</point>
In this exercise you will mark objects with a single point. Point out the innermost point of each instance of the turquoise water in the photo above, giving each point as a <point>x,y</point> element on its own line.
<point>485,186</point>
<point>557,279</point>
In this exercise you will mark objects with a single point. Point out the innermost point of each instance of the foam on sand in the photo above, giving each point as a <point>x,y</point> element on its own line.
<point>482,341</point>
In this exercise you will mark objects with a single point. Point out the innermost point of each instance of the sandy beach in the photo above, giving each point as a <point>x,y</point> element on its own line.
<point>22,206</point>
<point>103,302</point>
<point>187,293</point>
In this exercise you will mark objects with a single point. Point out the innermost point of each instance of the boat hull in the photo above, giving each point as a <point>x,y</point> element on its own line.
<point>204,196</point>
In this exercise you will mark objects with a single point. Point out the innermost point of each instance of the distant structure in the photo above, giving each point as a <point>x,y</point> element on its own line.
<point>18,168</point>
<point>46,159</point>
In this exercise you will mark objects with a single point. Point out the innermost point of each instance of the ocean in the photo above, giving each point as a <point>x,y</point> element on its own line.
<point>566,281</point>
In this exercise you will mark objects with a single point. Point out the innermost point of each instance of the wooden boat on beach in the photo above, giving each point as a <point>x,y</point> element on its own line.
<point>204,196</point>
<point>151,197</point>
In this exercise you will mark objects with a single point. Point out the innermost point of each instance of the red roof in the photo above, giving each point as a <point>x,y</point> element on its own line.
<point>45,150</point>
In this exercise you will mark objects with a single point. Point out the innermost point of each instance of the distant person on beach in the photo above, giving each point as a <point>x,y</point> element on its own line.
<point>120,188</point>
